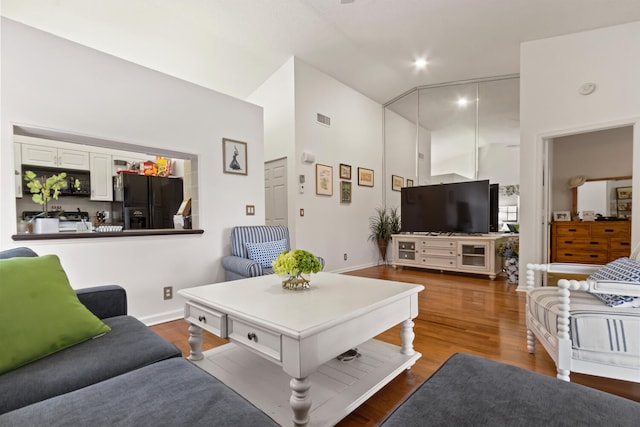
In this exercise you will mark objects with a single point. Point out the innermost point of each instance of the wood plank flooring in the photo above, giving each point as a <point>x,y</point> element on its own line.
<point>457,313</point>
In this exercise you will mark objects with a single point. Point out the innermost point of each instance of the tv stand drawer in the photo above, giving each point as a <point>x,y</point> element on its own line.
<point>434,261</point>
<point>438,243</point>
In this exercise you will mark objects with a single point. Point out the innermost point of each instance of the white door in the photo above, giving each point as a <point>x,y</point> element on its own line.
<point>275,192</point>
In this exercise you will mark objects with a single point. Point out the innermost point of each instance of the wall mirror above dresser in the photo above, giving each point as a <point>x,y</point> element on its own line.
<point>606,197</point>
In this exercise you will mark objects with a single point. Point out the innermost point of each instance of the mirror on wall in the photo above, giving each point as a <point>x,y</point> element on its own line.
<point>452,133</point>
<point>609,198</point>
<point>449,115</point>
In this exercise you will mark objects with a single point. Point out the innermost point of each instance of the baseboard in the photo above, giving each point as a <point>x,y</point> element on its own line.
<point>353,268</point>
<point>162,317</point>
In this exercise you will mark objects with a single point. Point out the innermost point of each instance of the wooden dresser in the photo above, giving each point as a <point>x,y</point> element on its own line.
<point>596,242</point>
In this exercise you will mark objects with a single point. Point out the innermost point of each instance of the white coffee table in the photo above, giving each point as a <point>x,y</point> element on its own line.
<point>284,343</point>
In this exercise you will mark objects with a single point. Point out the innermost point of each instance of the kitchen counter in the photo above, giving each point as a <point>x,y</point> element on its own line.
<point>94,234</point>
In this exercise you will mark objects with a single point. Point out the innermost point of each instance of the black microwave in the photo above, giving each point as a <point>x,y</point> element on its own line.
<point>83,176</point>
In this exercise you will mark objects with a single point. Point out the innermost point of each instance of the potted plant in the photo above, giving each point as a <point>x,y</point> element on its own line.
<point>292,265</point>
<point>509,250</point>
<point>382,226</point>
<point>44,189</point>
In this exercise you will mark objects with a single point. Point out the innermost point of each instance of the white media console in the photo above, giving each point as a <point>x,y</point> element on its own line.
<point>461,253</point>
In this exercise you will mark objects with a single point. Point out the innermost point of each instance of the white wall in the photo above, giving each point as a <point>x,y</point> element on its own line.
<point>330,228</point>
<point>277,96</point>
<point>499,164</point>
<point>551,72</point>
<point>48,82</point>
<point>400,153</point>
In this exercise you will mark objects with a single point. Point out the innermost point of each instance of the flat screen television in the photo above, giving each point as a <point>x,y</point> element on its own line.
<point>493,207</point>
<point>461,207</point>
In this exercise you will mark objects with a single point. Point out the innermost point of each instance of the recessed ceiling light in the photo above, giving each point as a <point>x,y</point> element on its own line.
<point>420,63</point>
<point>462,102</point>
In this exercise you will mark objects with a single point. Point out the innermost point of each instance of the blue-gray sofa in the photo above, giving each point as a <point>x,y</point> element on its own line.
<point>130,377</point>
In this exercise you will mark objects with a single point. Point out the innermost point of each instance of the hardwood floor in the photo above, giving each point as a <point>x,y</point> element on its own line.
<point>457,313</point>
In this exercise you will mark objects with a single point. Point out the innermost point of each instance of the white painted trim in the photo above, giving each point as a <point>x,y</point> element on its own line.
<point>353,268</point>
<point>167,316</point>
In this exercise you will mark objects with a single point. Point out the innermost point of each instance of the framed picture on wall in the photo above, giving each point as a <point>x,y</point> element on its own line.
<point>396,182</point>
<point>234,156</point>
<point>562,216</point>
<point>623,192</point>
<point>324,180</point>
<point>345,171</point>
<point>409,183</point>
<point>345,192</point>
<point>365,177</point>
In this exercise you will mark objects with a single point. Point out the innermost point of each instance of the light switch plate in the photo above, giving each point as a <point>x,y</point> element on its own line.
<point>251,210</point>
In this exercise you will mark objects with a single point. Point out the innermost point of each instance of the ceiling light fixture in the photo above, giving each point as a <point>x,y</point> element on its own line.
<point>420,63</point>
<point>462,102</point>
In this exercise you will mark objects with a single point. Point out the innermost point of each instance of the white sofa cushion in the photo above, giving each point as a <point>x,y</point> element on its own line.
<point>610,335</point>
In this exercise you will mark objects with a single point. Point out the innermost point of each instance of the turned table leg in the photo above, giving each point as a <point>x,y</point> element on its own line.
<point>195,342</point>
<point>407,335</point>
<point>300,400</point>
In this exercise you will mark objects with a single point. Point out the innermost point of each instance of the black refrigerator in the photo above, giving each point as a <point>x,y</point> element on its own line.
<point>142,202</point>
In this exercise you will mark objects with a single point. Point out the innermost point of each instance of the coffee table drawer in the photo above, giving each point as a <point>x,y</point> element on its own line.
<point>206,318</point>
<point>259,339</point>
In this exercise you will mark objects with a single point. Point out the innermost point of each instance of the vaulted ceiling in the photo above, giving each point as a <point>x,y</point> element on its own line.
<point>233,46</point>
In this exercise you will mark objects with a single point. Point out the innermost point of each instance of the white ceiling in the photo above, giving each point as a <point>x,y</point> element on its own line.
<point>232,46</point>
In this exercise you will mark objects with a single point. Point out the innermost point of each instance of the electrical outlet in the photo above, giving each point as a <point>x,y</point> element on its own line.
<point>167,292</point>
<point>345,257</point>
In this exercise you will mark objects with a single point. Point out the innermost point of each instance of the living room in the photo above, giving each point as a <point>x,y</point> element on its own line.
<point>166,129</point>
<point>64,86</point>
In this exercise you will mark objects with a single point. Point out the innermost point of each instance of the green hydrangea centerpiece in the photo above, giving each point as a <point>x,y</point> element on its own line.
<point>293,264</point>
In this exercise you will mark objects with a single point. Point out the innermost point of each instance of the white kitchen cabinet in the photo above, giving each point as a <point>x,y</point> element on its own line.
<point>17,166</point>
<point>101,181</point>
<point>41,155</point>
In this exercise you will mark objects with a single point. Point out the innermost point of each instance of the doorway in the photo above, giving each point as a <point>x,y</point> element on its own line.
<point>275,192</point>
<point>573,158</point>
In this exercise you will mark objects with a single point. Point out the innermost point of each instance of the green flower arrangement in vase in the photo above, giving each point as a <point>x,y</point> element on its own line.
<point>292,265</point>
<point>45,189</point>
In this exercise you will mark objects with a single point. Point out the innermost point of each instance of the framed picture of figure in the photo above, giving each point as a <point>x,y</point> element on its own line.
<point>234,156</point>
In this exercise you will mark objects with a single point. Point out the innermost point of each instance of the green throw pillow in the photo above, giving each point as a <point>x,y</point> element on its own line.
<point>39,311</point>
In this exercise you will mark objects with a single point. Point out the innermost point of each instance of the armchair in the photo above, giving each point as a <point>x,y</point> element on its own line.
<point>580,332</point>
<point>239,265</point>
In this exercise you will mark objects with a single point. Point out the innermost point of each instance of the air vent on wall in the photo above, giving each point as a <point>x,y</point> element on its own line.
<point>323,120</point>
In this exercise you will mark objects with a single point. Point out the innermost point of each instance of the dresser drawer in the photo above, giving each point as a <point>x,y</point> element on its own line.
<point>206,318</point>
<point>595,245</point>
<point>620,245</point>
<point>573,230</point>
<point>610,229</point>
<point>614,255</point>
<point>262,341</point>
<point>582,257</point>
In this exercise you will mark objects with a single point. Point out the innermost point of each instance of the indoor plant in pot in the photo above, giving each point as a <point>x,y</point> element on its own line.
<point>292,265</point>
<point>382,226</point>
<point>509,250</point>
<point>44,189</point>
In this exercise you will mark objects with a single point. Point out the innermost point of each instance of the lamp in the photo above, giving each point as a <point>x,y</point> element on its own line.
<point>576,181</point>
